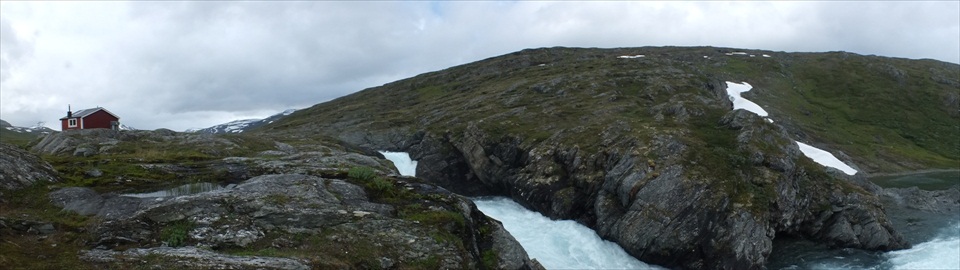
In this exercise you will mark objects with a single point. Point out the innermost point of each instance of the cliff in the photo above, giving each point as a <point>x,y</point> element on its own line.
<point>647,150</point>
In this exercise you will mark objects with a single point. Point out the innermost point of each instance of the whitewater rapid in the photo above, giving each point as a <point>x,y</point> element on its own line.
<point>557,244</point>
<point>565,244</point>
<point>942,252</point>
<point>405,165</point>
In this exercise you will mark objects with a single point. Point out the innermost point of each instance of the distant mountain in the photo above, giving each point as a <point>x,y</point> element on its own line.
<point>31,130</point>
<point>126,127</point>
<point>20,135</point>
<point>240,126</point>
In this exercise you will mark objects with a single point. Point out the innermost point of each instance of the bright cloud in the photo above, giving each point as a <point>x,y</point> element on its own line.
<point>195,64</point>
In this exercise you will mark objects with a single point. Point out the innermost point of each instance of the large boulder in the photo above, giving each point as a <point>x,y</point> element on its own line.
<point>335,221</point>
<point>20,169</point>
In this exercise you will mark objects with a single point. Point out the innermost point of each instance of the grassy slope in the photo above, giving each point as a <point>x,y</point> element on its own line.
<point>513,95</point>
<point>16,138</point>
<point>887,114</point>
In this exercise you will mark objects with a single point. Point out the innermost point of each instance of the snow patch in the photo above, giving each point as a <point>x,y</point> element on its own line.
<point>631,56</point>
<point>765,55</point>
<point>819,156</point>
<point>825,158</point>
<point>736,53</point>
<point>734,90</point>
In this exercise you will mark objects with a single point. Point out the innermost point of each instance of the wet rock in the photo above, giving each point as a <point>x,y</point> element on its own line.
<point>87,202</point>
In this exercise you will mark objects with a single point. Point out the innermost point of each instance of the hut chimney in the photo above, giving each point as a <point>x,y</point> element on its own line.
<point>69,111</point>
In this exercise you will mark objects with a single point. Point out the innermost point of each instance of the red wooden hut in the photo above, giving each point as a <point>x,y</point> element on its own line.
<point>90,118</point>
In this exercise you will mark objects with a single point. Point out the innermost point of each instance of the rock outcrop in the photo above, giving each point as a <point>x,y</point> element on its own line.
<point>287,206</point>
<point>21,169</point>
<point>189,258</point>
<point>645,151</point>
<point>321,219</point>
<point>663,207</point>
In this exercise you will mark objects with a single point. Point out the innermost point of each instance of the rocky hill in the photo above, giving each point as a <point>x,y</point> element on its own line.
<point>279,203</point>
<point>642,144</point>
<point>239,126</point>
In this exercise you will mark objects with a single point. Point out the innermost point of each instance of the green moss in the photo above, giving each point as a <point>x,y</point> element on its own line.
<point>362,173</point>
<point>34,203</point>
<point>277,199</point>
<point>175,233</point>
<point>442,217</point>
<point>490,259</point>
<point>381,188</point>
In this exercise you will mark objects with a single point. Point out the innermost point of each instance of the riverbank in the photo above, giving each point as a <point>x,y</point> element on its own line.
<point>879,174</point>
<point>925,180</point>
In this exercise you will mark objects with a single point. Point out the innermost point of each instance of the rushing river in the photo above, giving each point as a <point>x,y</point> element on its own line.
<point>564,244</point>
<point>557,244</point>
<point>935,237</point>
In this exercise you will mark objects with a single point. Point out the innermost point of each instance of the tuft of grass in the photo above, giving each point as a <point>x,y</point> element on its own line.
<point>490,259</point>
<point>362,173</point>
<point>175,233</point>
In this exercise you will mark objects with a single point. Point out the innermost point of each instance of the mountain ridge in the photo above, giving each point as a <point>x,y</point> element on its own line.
<point>646,150</point>
<point>240,126</point>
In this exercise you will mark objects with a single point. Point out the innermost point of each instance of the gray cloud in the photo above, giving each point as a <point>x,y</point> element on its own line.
<point>194,64</point>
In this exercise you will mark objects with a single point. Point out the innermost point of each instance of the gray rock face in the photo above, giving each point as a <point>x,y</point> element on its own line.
<point>662,208</point>
<point>85,201</point>
<point>939,201</point>
<point>283,210</point>
<point>89,142</point>
<point>20,169</point>
<point>188,257</point>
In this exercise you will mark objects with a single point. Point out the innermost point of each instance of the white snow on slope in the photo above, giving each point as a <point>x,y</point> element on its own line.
<point>817,155</point>
<point>238,125</point>
<point>734,90</point>
<point>631,56</point>
<point>825,158</point>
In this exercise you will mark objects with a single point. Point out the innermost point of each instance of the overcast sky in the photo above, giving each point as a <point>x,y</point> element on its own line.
<point>183,65</point>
